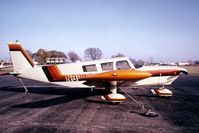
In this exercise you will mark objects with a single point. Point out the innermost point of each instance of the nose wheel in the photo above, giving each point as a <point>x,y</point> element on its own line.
<point>162,91</point>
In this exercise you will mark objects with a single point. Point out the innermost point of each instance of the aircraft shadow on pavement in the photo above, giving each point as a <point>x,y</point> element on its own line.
<point>151,96</point>
<point>64,95</point>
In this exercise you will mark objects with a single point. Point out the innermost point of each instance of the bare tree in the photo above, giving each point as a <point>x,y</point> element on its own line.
<point>93,53</point>
<point>196,62</point>
<point>190,61</point>
<point>150,59</point>
<point>118,55</point>
<point>73,56</point>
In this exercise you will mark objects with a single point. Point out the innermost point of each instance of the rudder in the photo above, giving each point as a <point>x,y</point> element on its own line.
<point>20,58</point>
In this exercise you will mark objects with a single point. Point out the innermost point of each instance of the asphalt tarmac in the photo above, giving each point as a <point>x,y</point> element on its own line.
<point>49,108</point>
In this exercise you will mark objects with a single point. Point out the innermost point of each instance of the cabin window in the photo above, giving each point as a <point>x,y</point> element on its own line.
<point>89,68</point>
<point>122,65</point>
<point>107,66</point>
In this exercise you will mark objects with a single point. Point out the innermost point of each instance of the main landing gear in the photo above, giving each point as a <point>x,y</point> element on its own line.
<point>114,97</point>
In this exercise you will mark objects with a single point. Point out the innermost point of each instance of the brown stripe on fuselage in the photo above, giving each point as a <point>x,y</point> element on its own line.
<point>47,73</point>
<point>54,74</point>
<point>17,47</point>
<point>164,72</point>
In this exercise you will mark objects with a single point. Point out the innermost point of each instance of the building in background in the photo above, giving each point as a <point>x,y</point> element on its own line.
<point>55,60</point>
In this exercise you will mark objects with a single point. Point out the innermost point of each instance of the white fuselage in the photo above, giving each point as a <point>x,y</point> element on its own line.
<point>75,70</point>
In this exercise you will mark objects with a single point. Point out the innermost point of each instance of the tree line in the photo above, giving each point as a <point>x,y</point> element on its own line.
<point>89,54</point>
<point>42,54</point>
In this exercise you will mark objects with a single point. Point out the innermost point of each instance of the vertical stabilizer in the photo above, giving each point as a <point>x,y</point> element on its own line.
<point>20,58</point>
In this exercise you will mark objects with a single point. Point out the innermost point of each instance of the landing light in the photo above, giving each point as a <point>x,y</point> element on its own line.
<point>114,74</point>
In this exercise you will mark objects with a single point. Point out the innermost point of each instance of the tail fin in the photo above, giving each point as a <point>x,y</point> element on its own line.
<point>20,58</point>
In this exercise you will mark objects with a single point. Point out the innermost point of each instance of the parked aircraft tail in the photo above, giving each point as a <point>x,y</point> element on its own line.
<point>20,58</point>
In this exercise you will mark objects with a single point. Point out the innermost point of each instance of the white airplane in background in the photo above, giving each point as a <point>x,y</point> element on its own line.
<point>107,73</point>
<point>2,66</point>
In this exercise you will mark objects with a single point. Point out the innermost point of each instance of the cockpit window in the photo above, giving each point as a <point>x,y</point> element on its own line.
<point>122,65</point>
<point>107,66</point>
<point>89,68</point>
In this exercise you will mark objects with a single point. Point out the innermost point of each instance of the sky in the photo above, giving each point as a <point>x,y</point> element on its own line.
<point>152,30</point>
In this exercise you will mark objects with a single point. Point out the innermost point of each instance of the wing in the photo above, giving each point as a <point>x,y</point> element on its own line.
<point>129,77</point>
<point>122,76</point>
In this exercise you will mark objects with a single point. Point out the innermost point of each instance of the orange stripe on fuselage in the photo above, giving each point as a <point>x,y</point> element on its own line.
<point>17,47</point>
<point>117,75</point>
<point>55,73</point>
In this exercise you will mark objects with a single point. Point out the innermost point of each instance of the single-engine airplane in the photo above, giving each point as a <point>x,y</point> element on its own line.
<point>107,73</point>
